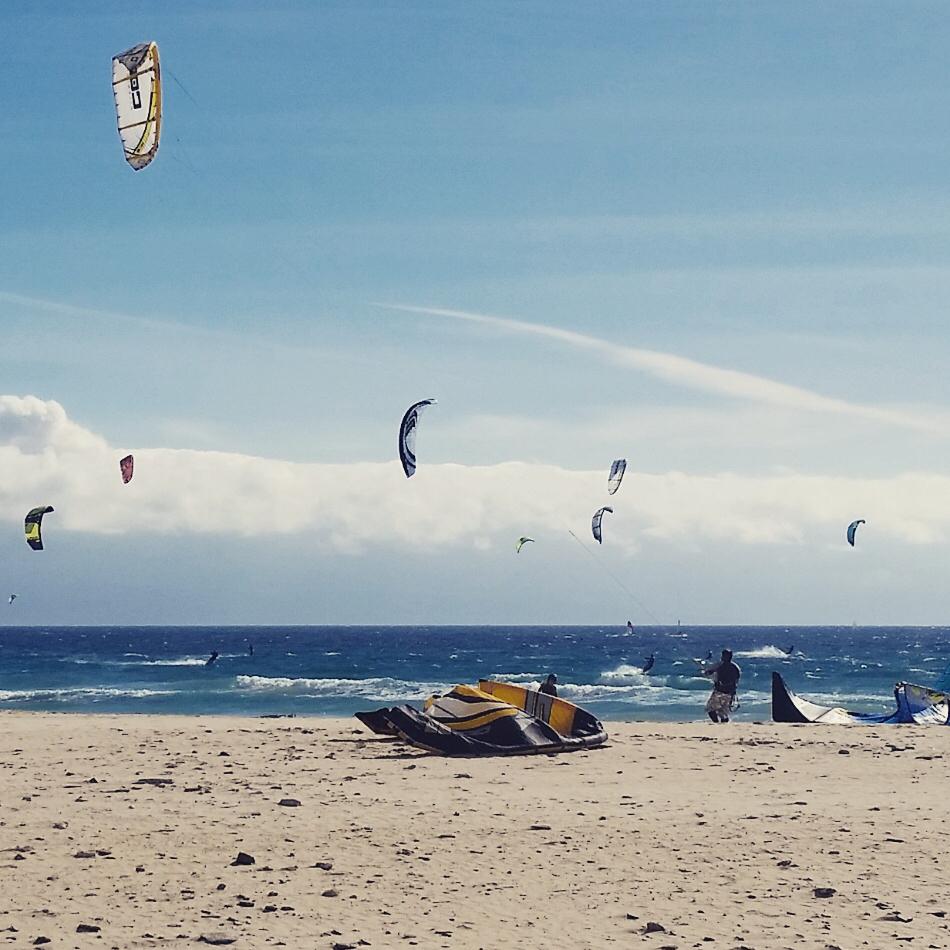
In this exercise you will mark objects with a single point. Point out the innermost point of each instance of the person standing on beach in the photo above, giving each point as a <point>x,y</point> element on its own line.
<point>548,685</point>
<point>723,696</point>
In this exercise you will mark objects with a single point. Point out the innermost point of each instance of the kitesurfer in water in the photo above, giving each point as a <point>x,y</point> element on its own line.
<point>629,627</point>
<point>789,651</point>
<point>648,664</point>
<point>548,685</point>
<point>212,658</point>
<point>723,696</point>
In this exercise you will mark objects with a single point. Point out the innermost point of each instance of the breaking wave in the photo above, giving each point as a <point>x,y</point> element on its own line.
<point>174,661</point>
<point>627,675</point>
<point>382,688</point>
<point>92,693</point>
<point>521,679</point>
<point>764,653</point>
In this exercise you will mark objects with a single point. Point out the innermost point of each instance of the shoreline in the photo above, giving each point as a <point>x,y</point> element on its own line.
<point>719,835</point>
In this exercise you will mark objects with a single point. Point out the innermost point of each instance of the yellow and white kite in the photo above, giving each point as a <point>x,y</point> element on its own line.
<point>137,87</point>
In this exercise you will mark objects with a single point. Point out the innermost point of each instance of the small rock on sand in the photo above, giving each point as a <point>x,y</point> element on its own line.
<point>289,802</point>
<point>88,929</point>
<point>653,927</point>
<point>243,858</point>
<point>824,892</point>
<point>217,939</point>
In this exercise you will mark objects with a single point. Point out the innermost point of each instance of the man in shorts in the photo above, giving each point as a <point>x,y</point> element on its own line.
<point>723,696</point>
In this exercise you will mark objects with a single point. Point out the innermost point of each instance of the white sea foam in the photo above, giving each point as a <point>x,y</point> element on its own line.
<point>173,661</point>
<point>766,653</point>
<point>627,675</point>
<point>652,695</point>
<point>92,693</point>
<point>382,688</point>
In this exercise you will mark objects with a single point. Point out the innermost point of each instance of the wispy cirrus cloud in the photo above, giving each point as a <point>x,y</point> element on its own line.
<point>692,374</point>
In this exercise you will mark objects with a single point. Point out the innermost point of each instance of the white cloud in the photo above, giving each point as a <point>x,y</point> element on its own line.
<point>48,459</point>
<point>693,374</point>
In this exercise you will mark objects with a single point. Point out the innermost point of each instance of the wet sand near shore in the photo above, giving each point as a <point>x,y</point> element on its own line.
<point>122,832</point>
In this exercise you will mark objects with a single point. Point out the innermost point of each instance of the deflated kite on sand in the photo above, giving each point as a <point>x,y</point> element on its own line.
<point>915,704</point>
<point>490,719</point>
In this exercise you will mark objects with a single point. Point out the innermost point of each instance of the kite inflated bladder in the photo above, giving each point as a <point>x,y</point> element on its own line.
<point>407,435</point>
<point>137,88</point>
<point>126,468</point>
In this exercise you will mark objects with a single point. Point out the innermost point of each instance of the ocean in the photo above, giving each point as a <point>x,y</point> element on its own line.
<point>334,671</point>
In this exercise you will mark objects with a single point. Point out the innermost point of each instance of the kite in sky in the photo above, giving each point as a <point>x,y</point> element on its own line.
<point>33,523</point>
<point>595,523</point>
<point>616,475</point>
<point>137,88</point>
<point>407,435</point>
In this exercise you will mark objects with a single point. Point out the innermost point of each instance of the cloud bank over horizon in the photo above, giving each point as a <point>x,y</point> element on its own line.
<point>351,507</point>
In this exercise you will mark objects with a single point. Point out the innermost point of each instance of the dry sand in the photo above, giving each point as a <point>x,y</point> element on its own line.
<point>719,835</point>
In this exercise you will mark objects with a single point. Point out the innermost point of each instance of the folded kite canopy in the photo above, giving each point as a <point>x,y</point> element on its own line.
<point>492,719</point>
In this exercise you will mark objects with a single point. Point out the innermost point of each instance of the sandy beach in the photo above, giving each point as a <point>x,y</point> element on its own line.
<point>121,831</point>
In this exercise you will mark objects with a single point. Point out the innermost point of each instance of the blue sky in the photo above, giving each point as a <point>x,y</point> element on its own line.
<point>760,188</point>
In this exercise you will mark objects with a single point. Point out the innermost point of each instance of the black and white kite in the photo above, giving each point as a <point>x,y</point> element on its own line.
<point>407,435</point>
<point>616,475</point>
<point>595,523</point>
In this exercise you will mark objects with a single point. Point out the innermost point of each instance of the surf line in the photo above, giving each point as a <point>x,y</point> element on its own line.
<point>617,580</point>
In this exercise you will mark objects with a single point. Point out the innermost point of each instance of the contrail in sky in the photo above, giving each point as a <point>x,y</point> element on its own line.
<point>212,332</point>
<point>689,373</point>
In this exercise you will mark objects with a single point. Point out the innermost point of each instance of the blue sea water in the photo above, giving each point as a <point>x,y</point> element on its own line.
<point>313,671</point>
